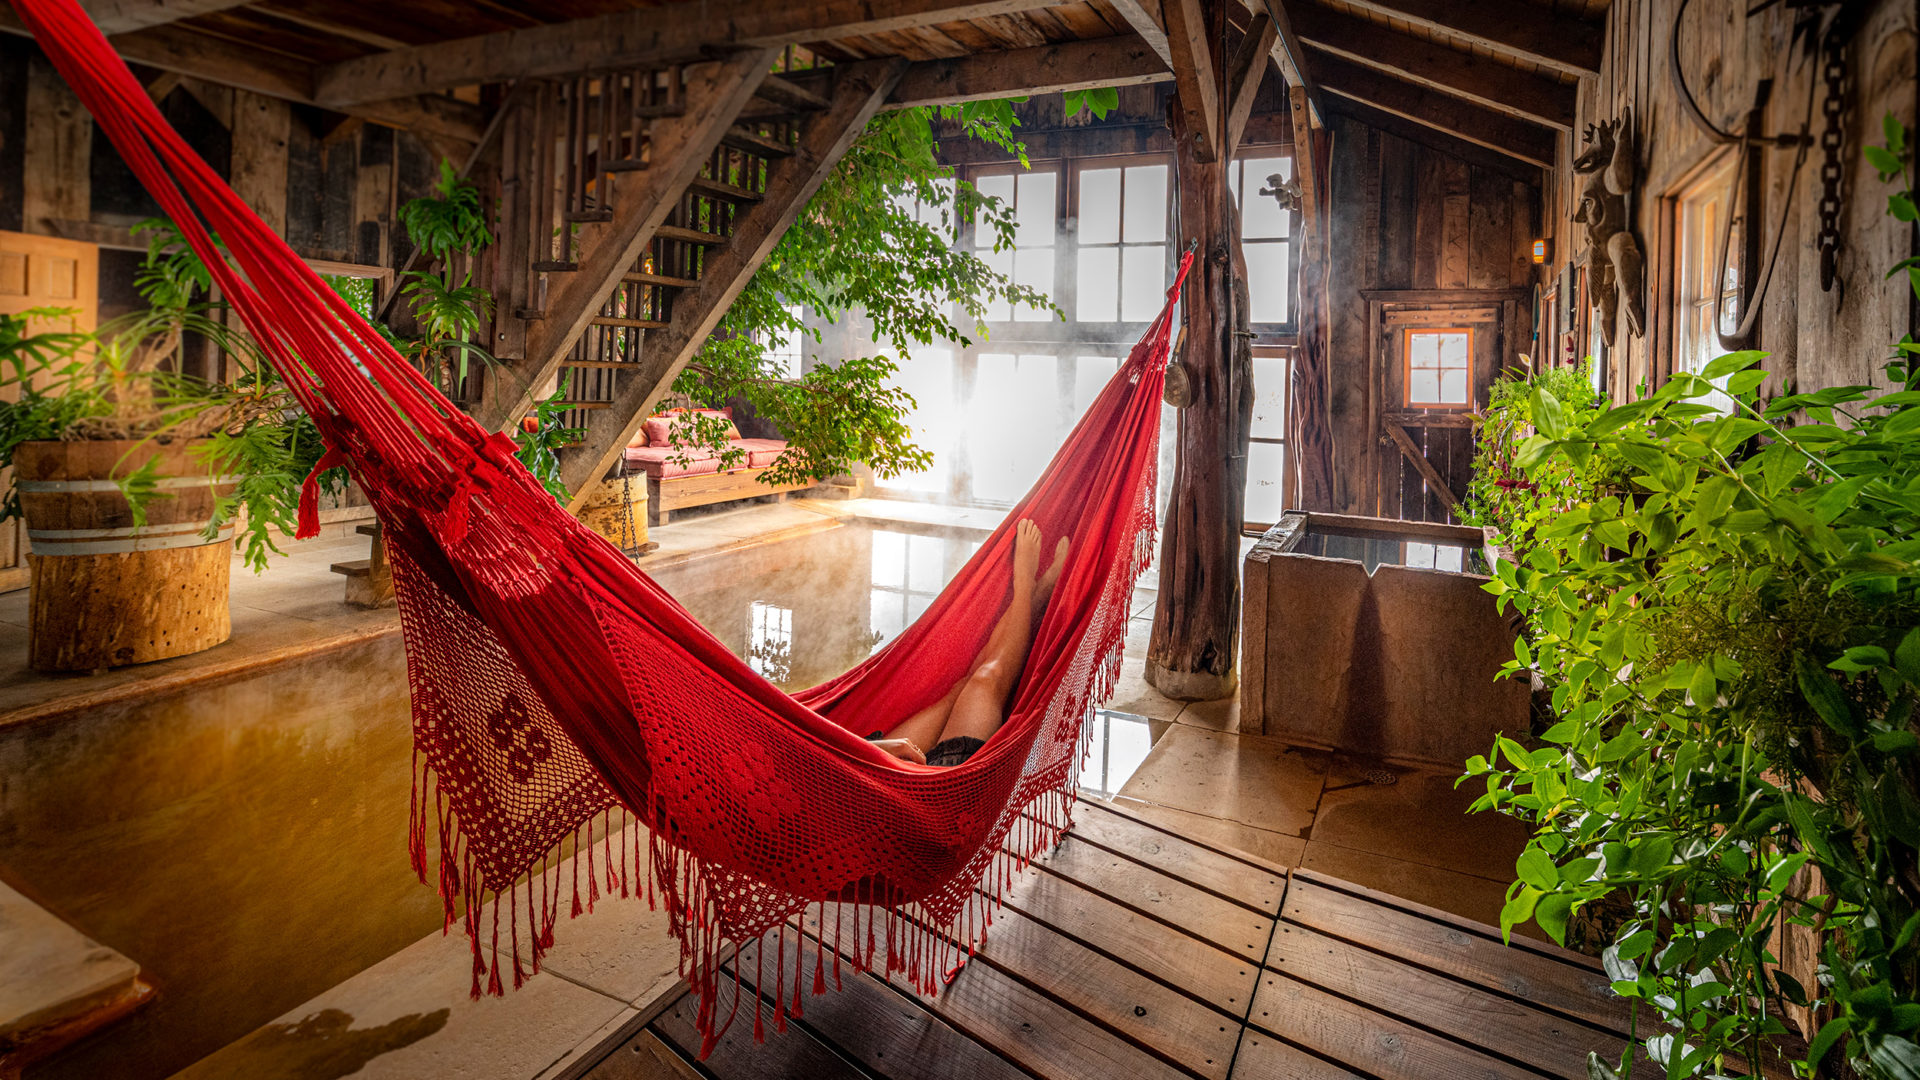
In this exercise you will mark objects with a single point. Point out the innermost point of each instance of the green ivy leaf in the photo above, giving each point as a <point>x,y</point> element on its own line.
<point>1552,913</point>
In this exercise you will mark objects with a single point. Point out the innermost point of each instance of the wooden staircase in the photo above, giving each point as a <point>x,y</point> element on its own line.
<point>635,206</point>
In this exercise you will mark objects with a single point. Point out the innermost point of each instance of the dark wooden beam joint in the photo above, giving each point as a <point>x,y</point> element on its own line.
<point>1046,69</point>
<point>1245,73</point>
<point>1196,94</point>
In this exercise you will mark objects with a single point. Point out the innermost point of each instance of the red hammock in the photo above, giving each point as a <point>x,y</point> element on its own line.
<point>553,683</point>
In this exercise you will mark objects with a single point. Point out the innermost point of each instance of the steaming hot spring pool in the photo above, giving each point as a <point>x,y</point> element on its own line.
<point>245,842</point>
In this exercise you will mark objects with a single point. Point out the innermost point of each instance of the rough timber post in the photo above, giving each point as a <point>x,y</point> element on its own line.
<point>1197,619</point>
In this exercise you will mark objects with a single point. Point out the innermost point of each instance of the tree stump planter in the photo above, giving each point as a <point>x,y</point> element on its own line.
<point>105,593</point>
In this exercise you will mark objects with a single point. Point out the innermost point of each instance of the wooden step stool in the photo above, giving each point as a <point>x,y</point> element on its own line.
<point>369,581</point>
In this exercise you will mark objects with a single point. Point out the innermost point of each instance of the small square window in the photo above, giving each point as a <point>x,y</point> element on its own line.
<point>1438,363</point>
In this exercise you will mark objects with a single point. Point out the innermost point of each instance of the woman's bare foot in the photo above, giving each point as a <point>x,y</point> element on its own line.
<point>1043,588</point>
<point>1026,553</point>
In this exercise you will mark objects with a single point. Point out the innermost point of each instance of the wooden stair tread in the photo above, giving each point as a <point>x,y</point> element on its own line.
<point>787,92</point>
<point>586,404</point>
<point>722,190</point>
<point>564,266</point>
<point>368,528</point>
<point>675,232</point>
<point>632,324</point>
<point>754,143</point>
<point>601,365</point>
<point>638,277</point>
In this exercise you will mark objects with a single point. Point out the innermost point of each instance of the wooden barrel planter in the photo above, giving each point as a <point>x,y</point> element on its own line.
<point>105,593</point>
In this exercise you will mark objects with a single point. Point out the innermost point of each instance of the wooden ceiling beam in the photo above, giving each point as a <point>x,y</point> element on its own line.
<point>1464,120</point>
<point>682,31</point>
<point>1437,66</point>
<point>1288,52</point>
<point>1434,139</point>
<point>1514,28</point>
<point>124,16</point>
<point>217,60</point>
<point>1245,74</point>
<point>1196,93</point>
<point>1047,69</point>
<point>1145,18</point>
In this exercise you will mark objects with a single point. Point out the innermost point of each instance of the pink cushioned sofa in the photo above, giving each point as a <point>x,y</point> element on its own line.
<point>678,478</point>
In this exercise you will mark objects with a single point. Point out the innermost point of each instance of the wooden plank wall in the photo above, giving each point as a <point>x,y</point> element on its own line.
<point>1408,216</point>
<point>1816,338</point>
<point>332,191</point>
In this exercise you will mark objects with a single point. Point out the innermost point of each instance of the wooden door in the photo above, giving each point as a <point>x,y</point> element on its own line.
<point>1435,355</point>
<point>43,272</point>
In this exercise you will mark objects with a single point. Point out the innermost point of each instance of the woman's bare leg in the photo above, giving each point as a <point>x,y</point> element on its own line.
<point>982,705</point>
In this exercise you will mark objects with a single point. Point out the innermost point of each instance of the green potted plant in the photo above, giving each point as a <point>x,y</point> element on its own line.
<point>135,481</point>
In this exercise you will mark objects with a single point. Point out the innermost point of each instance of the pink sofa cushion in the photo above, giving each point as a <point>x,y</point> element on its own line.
<point>762,452</point>
<point>657,428</point>
<point>662,462</point>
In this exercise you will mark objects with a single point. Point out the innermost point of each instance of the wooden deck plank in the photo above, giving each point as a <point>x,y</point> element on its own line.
<point>1111,810</point>
<point>1031,1030</point>
<point>1140,1009</point>
<point>886,1031</point>
<point>644,1057</point>
<point>1200,969</point>
<point>1203,915</point>
<point>736,1056</point>
<point>1256,888</point>
<point>1263,1057</point>
<point>1366,1041</point>
<point>1461,951</point>
<point>1552,1043</point>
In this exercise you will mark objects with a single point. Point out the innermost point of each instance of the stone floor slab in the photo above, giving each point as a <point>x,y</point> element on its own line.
<point>1252,780</point>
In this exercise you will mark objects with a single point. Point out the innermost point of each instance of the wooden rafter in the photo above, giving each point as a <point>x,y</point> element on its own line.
<point>1144,17</point>
<point>1480,157</point>
<point>1245,74</point>
<point>862,90</point>
<point>1196,93</point>
<point>1514,28</point>
<point>1288,52</point>
<point>122,16</point>
<point>639,206</point>
<point>1457,117</point>
<point>647,35</point>
<point>227,63</point>
<point>1115,61</point>
<point>1437,67</point>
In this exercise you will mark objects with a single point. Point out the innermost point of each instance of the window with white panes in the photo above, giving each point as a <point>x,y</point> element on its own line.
<point>1266,237</point>
<point>1701,219</point>
<point>1267,437</point>
<point>1035,199</point>
<point>1120,244</point>
<point>786,355</point>
<point>770,640</point>
<point>1439,367</point>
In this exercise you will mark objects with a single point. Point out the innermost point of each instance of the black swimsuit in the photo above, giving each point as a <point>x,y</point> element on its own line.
<point>946,752</point>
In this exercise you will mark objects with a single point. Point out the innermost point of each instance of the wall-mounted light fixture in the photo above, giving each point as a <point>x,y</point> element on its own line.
<point>1542,250</point>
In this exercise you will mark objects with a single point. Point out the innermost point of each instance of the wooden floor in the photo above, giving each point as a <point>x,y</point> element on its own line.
<point>1132,952</point>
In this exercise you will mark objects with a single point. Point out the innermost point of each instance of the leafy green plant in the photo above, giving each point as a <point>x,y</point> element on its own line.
<point>451,226</point>
<point>1514,501</point>
<point>881,238</point>
<point>542,435</point>
<point>450,221</point>
<point>1731,635</point>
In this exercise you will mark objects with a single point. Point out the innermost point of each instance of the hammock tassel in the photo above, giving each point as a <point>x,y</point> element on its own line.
<point>308,525</point>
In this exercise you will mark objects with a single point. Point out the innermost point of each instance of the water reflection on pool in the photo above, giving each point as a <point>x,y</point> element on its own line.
<point>246,842</point>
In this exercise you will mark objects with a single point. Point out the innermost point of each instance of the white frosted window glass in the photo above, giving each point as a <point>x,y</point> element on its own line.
<point>925,555</point>
<point>889,558</point>
<point>1423,386</point>
<point>1269,397</point>
<point>1453,387</point>
<point>927,375</point>
<point>1261,216</point>
<point>1450,558</point>
<point>1142,282</point>
<point>1423,350</point>
<point>1098,298</point>
<point>1420,555</point>
<point>1000,262</point>
<point>998,187</point>
<point>1034,269</point>
<point>1267,285</point>
<point>1036,209</point>
<point>1266,477</point>
<point>1100,206</point>
<point>1090,376</point>
<point>1146,204</point>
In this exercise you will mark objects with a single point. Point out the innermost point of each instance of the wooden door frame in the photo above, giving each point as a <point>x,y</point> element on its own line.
<point>1383,425</point>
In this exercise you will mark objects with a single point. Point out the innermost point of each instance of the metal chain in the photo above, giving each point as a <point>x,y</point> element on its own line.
<point>1833,140</point>
<point>628,540</point>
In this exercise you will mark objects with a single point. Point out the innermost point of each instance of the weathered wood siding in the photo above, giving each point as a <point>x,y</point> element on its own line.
<point>1407,217</point>
<point>1816,338</point>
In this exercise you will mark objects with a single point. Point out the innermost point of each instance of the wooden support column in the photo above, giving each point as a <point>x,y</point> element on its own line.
<point>261,127</point>
<point>1196,622</point>
<point>860,91</point>
<point>1309,435</point>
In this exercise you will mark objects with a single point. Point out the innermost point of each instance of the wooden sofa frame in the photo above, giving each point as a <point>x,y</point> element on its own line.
<point>704,489</point>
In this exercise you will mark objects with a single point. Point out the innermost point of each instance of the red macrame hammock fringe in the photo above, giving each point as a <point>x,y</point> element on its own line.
<point>558,692</point>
